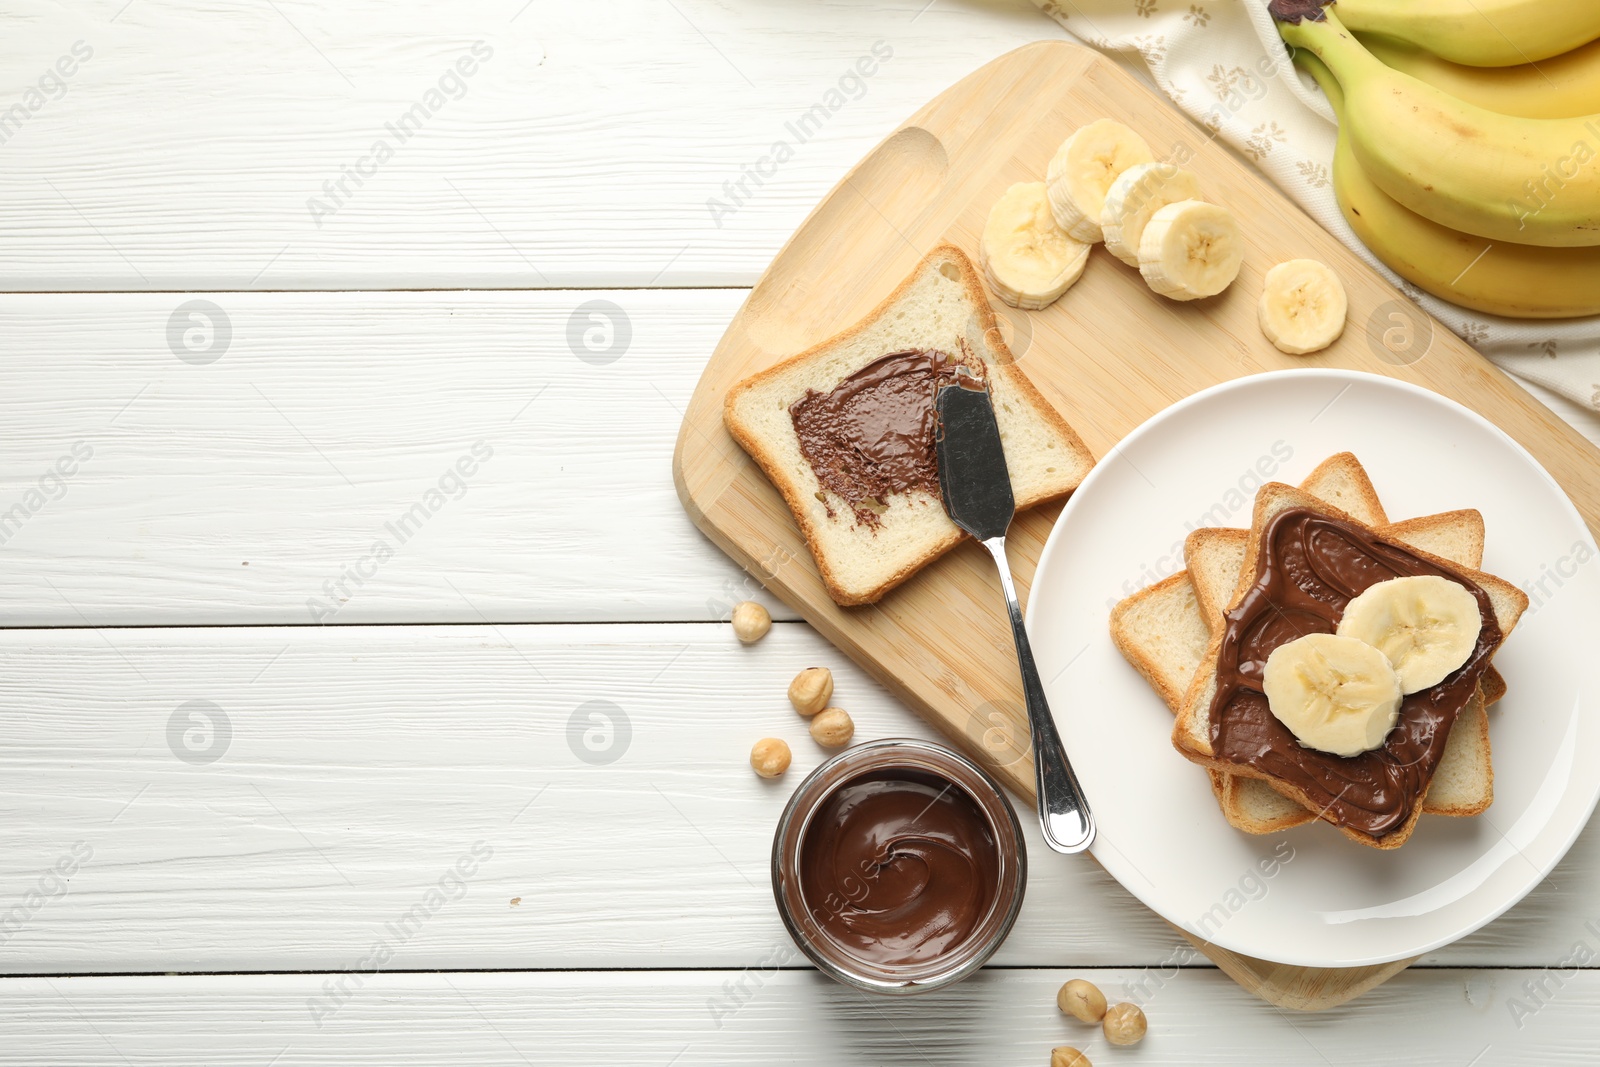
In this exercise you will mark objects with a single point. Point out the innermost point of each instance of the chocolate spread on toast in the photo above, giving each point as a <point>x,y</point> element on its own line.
<point>872,435</point>
<point>1309,568</point>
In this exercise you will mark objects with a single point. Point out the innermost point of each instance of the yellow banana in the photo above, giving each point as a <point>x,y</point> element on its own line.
<point>1479,33</point>
<point>1531,181</point>
<point>1562,87</point>
<point>1517,281</point>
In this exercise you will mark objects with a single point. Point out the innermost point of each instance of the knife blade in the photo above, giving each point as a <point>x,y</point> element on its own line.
<point>973,478</point>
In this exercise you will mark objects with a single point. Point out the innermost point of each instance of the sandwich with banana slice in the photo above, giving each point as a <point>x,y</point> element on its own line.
<point>1165,629</point>
<point>1345,662</point>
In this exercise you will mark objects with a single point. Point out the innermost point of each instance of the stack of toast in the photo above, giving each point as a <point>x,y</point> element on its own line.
<point>1171,631</point>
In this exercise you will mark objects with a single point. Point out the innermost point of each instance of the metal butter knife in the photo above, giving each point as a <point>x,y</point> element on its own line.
<point>976,487</point>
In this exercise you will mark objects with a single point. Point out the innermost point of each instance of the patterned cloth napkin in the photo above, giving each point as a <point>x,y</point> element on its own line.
<point>1223,63</point>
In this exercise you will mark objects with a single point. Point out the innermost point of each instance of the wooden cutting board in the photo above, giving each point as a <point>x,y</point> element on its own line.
<point>1109,355</point>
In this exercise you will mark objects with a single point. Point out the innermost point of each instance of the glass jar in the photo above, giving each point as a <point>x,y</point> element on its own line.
<point>896,761</point>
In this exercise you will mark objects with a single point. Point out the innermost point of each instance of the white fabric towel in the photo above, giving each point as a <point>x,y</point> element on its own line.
<point>1223,63</point>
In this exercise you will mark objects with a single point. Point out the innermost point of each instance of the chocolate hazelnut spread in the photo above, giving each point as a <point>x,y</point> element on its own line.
<point>1310,566</point>
<point>899,867</point>
<point>872,435</point>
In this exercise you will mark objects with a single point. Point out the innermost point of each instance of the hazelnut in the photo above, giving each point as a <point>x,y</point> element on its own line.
<point>1082,1000</point>
<point>751,621</point>
<point>811,690</point>
<point>1124,1024</point>
<point>1067,1056</point>
<point>770,757</point>
<point>832,728</point>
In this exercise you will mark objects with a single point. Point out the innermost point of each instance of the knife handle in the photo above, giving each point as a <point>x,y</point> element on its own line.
<point>1064,814</point>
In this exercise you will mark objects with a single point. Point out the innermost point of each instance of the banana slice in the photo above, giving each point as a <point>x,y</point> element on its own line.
<point>1335,694</point>
<point>1426,625</point>
<point>1302,306</point>
<point>1028,260</point>
<point>1083,169</point>
<point>1190,250</point>
<point>1137,194</point>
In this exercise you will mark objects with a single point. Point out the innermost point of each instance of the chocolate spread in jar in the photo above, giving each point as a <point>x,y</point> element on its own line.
<point>872,435</point>
<point>1310,567</point>
<point>899,867</point>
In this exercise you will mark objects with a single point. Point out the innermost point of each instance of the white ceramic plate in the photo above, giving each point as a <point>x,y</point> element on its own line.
<point>1310,897</point>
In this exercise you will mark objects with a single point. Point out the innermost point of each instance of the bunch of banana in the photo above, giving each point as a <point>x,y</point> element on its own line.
<point>1517,281</point>
<point>1490,210</point>
<point>1478,33</point>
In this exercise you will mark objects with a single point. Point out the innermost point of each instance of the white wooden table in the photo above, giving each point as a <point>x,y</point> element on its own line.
<point>335,508</point>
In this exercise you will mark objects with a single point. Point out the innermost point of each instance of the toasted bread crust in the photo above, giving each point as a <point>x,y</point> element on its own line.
<point>1003,365</point>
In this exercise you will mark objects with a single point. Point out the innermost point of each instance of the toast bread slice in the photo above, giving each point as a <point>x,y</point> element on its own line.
<point>1192,732</point>
<point>1161,631</point>
<point>941,306</point>
<point>1464,782</point>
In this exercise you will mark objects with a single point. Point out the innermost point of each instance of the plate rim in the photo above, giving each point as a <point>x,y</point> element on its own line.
<point>1352,377</point>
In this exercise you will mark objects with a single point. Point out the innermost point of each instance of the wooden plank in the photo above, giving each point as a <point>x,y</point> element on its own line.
<point>1109,355</point>
<point>248,489</point>
<point>753,1016</point>
<point>568,150</point>
<point>358,764</point>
